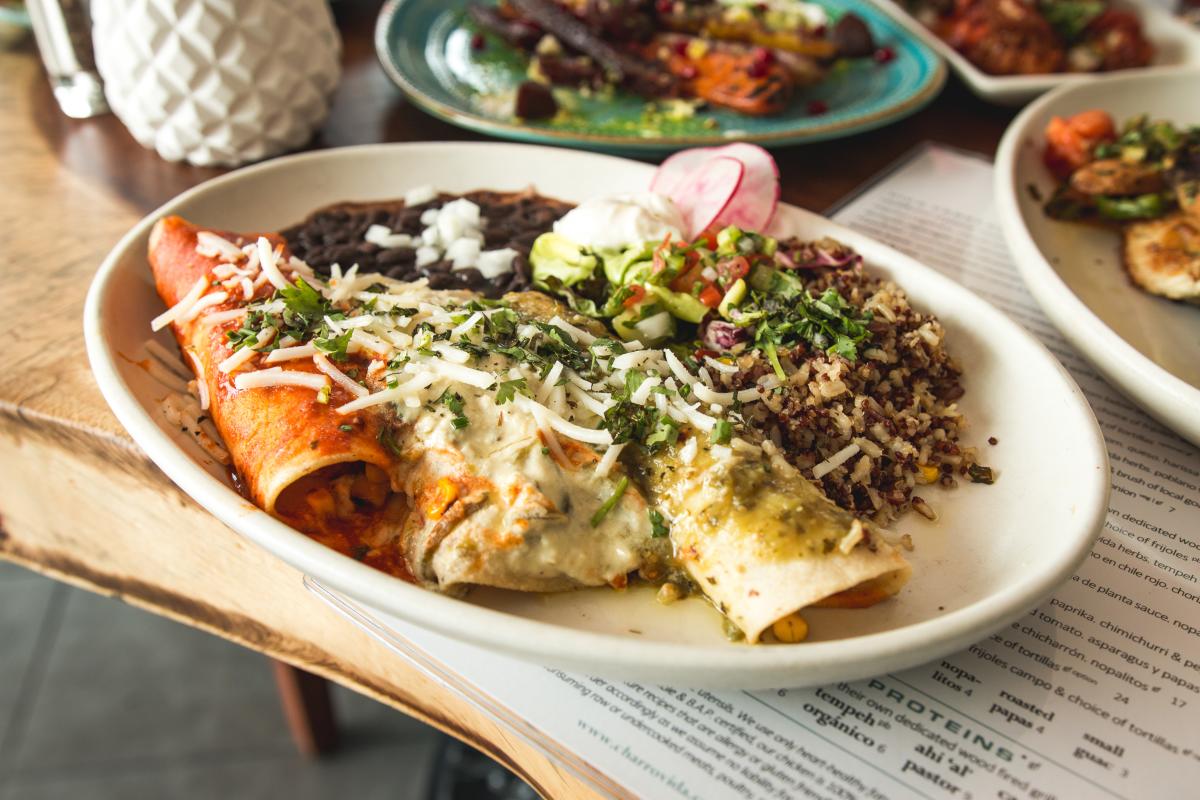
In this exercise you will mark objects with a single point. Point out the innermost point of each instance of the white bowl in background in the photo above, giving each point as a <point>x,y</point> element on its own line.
<point>1146,346</point>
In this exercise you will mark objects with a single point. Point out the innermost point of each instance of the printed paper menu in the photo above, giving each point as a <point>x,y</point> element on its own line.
<point>1094,694</point>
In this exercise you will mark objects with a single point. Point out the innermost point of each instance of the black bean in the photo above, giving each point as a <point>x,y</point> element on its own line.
<point>396,256</point>
<point>336,235</point>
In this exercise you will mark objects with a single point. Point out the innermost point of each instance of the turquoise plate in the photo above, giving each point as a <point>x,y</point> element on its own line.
<point>425,47</point>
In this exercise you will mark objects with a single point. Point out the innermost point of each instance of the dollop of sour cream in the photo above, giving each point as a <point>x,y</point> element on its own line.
<point>621,221</point>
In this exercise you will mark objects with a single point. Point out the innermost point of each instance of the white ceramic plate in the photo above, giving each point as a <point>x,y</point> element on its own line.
<point>1146,346</point>
<point>996,551</point>
<point>1177,45</point>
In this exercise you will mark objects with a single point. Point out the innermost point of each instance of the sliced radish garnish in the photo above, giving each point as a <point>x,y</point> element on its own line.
<point>676,169</point>
<point>757,195</point>
<point>705,194</point>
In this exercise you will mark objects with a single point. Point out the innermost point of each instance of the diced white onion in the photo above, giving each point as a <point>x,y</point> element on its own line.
<point>427,255</point>
<point>494,263</point>
<point>419,195</point>
<point>463,253</point>
<point>382,236</point>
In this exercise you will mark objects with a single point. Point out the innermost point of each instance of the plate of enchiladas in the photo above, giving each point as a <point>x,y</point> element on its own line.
<point>646,423</point>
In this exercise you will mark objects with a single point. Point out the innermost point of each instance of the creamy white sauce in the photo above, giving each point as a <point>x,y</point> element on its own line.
<point>559,546</point>
<point>620,221</point>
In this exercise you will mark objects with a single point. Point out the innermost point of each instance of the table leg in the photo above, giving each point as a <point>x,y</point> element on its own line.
<point>308,707</point>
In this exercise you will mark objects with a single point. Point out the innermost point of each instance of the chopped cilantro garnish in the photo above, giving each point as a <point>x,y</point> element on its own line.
<point>658,525</point>
<point>786,318</point>
<point>611,503</point>
<point>507,390</point>
<point>303,300</point>
<point>388,441</point>
<point>334,346</point>
<point>453,401</point>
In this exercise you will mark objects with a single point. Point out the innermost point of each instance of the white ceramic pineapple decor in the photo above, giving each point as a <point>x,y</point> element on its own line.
<point>217,81</point>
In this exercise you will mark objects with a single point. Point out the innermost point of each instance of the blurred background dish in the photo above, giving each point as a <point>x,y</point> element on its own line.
<point>1147,346</point>
<point>454,68</point>
<point>996,36</point>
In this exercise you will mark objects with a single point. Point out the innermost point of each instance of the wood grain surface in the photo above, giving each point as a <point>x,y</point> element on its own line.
<point>81,503</point>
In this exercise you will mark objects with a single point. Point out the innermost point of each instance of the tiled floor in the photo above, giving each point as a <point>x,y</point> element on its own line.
<point>102,700</point>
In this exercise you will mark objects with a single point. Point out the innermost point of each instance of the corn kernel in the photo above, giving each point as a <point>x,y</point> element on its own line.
<point>791,629</point>
<point>697,49</point>
<point>668,593</point>
<point>444,493</point>
<point>928,473</point>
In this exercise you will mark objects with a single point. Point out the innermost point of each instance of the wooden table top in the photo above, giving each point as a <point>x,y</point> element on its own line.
<point>81,503</point>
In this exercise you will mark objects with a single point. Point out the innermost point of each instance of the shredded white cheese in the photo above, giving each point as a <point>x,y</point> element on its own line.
<point>609,459</point>
<point>355,388</point>
<point>404,391</point>
<point>291,353</point>
<point>261,379</point>
<point>182,307</point>
<point>835,460</point>
<point>266,261</point>
<point>213,246</point>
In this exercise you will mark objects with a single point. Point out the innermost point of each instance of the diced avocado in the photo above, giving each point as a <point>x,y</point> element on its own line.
<point>735,295</point>
<point>762,277</point>
<point>679,304</point>
<point>555,256</point>
<point>727,239</point>
<point>617,263</point>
